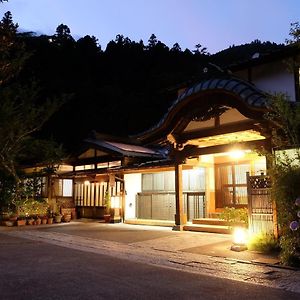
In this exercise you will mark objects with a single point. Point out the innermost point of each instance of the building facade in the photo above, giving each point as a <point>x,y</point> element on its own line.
<point>196,160</point>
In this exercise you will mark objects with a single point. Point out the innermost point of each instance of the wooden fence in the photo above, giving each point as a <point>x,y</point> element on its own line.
<point>261,210</point>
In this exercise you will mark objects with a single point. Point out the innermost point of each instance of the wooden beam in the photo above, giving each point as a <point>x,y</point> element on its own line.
<point>195,151</point>
<point>218,130</point>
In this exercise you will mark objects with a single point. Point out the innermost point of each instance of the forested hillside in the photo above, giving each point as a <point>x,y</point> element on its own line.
<point>120,90</point>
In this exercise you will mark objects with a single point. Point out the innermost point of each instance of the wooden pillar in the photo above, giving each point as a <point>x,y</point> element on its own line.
<point>180,216</point>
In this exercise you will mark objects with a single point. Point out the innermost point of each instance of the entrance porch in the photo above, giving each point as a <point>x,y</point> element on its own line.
<point>209,184</point>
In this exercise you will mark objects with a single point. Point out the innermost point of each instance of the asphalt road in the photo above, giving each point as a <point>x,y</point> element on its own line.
<point>38,270</point>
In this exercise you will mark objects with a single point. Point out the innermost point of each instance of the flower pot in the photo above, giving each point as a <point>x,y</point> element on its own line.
<point>21,222</point>
<point>106,218</point>
<point>58,219</point>
<point>30,221</point>
<point>50,221</point>
<point>9,223</point>
<point>44,221</point>
<point>67,218</point>
<point>38,221</point>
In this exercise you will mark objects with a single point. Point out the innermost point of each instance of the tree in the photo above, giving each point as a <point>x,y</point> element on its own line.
<point>176,48</point>
<point>285,174</point>
<point>88,44</point>
<point>12,54</point>
<point>200,50</point>
<point>294,33</point>
<point>63,36</point>
<point>22,109</point>
<point>152,42</point>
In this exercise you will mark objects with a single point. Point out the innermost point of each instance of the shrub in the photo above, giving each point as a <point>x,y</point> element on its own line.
<point>286,190</point>
<point>33,208</point>
<point>289,254</point>
<point>234,215</point>
<point>265,243</point>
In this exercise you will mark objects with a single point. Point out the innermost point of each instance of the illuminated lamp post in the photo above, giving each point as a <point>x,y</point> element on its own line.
<point>115,206</point>
<point>239,239</point>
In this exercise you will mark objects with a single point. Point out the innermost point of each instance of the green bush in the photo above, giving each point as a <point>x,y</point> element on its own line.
<point>265,243</point>
<point>286,190</point>
<point>235,215</point>
<point>289,254</point>
<point>33,208</point>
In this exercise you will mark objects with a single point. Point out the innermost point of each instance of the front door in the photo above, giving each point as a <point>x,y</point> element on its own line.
<point>231,184</point>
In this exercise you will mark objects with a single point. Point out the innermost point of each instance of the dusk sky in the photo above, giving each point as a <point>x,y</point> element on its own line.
<point>215,24</point>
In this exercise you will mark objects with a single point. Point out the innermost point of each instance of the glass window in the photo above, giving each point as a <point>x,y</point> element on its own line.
<point>65,187</point>
<point>192,180</point>
<point>158,181</point>
<point>147,180</point>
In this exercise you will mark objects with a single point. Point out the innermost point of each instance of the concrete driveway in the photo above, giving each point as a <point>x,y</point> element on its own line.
<point>157,237</point>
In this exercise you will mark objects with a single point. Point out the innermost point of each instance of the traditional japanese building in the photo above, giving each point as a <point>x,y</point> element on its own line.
<point>196,160</point>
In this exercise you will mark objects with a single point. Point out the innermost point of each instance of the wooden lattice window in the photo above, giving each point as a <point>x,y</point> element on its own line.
<point>231,184</point>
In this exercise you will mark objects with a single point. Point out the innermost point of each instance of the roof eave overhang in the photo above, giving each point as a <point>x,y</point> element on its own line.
<point>231,92</point>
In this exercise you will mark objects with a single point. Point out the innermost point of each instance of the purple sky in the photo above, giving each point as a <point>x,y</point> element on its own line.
<point>215,24</point>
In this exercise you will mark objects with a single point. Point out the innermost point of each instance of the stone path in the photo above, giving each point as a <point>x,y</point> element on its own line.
<point>167,252</point>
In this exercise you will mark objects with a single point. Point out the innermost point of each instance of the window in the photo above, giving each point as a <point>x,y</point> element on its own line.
<point>36,187</point>
<point>231,184</point>
<point>193,181</point>
<point>65,187</point>
<point>84,167</point>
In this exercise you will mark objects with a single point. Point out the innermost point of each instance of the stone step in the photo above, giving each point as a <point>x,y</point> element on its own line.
<point>208,228</point>
<point>215,221</point>
<point>211,221</point>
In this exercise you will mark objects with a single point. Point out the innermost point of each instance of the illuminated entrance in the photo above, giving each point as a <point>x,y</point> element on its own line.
<point>206,125</point>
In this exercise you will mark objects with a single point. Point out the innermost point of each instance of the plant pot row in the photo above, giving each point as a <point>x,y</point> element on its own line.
<point>37,221</point>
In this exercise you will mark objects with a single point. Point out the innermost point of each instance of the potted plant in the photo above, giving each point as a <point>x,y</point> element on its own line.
<point>37,221</point>
<point>67,217</point>
<point>30,221</point>
<point>50,219</point>
<point>49,216</point>
<point>57,215</point>
<point>107,212</point>
<point>44,220</point>
<point>13,217</point>
<point>7,221</point>
<point>21,221</point>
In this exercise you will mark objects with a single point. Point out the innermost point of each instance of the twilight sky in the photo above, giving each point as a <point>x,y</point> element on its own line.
<point>215,24</point>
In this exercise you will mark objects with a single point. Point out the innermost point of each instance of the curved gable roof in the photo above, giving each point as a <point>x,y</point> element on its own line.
<point>229,91</point>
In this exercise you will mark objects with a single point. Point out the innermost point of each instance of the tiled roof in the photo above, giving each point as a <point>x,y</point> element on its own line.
<point>247,92</point>
<point>125,149</point>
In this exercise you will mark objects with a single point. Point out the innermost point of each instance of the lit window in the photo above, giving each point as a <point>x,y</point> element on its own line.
<point>84,167</point>
<point>79,168</point>
<point>66,187</point>
<point>113,164</point>
<point>102,165</point>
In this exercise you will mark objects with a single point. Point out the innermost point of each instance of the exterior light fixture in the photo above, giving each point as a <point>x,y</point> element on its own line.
<point>236,154</point>
<point>239,239</point>
<point>115,202</point>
